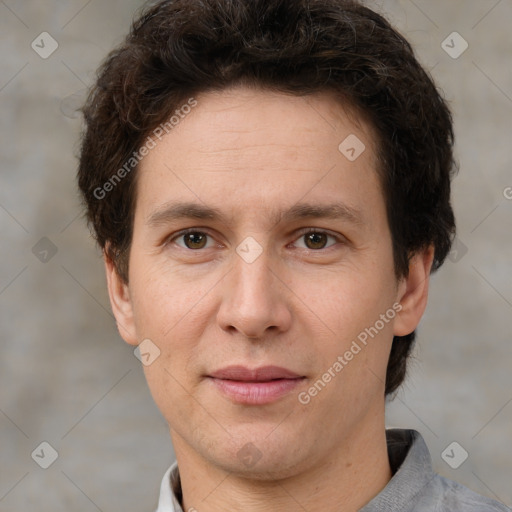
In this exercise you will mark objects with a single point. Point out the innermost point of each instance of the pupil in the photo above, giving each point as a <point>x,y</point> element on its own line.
<point>317,240</point>
<point>197,240</point>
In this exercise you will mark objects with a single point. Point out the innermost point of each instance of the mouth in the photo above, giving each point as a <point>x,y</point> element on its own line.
<point>255,387</point>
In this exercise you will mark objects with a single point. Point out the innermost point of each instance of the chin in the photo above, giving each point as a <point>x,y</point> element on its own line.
<point>268,471</point>
<point>264,461</point>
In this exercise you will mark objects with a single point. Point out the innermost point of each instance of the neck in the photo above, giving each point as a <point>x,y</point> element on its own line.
<point>347,480</point>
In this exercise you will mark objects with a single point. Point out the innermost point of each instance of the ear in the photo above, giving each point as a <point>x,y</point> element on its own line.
<point>120,302</point>
<point>413,292</point>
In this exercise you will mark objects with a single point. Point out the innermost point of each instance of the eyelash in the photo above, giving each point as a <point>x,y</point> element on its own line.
<point>300,234</point>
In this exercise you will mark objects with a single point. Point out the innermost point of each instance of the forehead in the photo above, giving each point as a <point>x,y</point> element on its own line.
<point>242,119</point>
<point>246,147</point>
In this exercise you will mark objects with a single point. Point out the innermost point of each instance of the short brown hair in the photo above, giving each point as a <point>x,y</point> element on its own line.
<point>179,48</point>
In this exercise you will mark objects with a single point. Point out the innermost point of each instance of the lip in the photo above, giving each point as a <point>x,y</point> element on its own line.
<point>255,386</point>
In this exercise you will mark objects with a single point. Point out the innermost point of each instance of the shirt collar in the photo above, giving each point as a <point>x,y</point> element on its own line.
<point>170,491</point>
<point>408,456</point>
<point>411,466</point>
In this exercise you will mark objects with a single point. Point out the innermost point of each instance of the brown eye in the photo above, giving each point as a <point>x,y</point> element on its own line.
<point>195,240</point>
<point>315,240</point>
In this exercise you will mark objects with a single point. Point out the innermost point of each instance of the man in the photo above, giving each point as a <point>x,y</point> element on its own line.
<point>270,183</point>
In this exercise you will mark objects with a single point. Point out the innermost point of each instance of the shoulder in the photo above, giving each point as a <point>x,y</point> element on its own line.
<point>415,487</point>
<point>444,495</point>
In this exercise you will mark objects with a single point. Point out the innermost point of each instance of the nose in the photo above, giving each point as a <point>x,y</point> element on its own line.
<point>254,300</point>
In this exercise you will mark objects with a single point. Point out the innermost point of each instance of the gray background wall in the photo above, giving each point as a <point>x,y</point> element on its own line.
<point>65,375</point>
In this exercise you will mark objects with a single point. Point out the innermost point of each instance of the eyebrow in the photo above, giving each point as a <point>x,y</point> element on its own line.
<point>175,211</point>
<point>335,211</point>
<point>186,210</point>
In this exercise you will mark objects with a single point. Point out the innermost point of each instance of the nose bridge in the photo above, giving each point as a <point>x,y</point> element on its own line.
<point>252,275</point>
<point>252,302</point>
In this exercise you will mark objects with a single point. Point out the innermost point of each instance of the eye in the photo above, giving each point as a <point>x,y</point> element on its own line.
<point>192,239</point>
<point>316,240</point>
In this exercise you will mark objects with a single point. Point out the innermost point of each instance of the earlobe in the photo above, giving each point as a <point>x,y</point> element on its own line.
<point>413,292</point>
<point>120,302</point>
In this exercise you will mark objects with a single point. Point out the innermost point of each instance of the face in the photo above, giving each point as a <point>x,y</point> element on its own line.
<point>261,253</point>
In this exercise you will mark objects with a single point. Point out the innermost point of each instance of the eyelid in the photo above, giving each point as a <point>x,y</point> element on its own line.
<point>297,235</point>
<point>178,234</point>
<point>304,231</point>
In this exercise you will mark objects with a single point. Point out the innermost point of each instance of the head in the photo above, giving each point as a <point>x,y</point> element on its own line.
<point>267,117</point>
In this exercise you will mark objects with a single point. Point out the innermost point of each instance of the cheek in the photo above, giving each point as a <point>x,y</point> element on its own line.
<point>347,300</point>
<point>165,300</point>
<point>172,314</point>
<point>348,308</point>
<point>354,351</point>
<point>172,311</point>
<point>173,394</point>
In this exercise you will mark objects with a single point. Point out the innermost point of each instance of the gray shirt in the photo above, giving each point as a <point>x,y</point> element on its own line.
<point>414,486</point>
